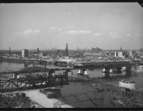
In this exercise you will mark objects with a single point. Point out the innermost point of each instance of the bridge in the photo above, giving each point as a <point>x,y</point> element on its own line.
<point>49,79</point>
<point>83,65</point>
<point>33,80</point>
<point>102,63</point>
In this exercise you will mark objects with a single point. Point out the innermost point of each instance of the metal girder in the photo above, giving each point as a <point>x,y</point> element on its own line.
<point>32,83</point>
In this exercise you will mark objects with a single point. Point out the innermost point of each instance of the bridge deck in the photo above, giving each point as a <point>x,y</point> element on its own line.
<point>103,64</point>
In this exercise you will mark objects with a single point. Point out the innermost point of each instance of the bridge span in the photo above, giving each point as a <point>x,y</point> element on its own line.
<point>50,80</point>
<point>33,78</point>
<point>106,65</point>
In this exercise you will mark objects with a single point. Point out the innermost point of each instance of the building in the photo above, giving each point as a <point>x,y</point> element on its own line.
<point>43,55</point>
<point>66,61</point>
<point>25,53</point>
<point>120,54</point>
<point>116,54</point>
<point>38,50</point>
<point>88,54</point>
<point>131,54</point>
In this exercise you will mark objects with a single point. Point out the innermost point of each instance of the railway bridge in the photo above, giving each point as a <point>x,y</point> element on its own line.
<point>33,78</point>
<point>106,65</point>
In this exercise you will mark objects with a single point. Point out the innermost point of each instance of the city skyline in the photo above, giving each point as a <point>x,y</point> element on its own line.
<point>83,25</point>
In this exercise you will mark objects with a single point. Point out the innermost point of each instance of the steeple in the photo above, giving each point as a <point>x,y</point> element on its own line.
<point>66,49</point>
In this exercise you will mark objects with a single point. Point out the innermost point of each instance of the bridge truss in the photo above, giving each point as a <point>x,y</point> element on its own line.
<point>32,83</point>
<point>33,80</point>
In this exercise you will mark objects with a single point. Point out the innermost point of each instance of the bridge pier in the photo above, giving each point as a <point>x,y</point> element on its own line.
<point>15,76</point>
<point>80,72</point>
<point>119,69</point>
<point>107,72</point>
<point>83,72</point>
<point>128,70</point>
<point>111,70</point>
<point>66,72</point>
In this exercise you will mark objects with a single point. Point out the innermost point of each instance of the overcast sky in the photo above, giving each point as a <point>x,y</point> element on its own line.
<point>83,25</point>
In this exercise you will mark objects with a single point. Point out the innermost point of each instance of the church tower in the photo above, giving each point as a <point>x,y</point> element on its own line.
<point>66,49</point>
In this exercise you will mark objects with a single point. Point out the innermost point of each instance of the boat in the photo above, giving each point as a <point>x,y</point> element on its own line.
<point>127,84</point>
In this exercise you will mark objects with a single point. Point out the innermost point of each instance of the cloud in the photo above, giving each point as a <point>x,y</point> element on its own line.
<point>137,34</point>
<point>54,28</point>
<point>78,32</point>
<point>114,35</point>
<point>128,34</point>
<point>28,32</point>
<point>97,34</point>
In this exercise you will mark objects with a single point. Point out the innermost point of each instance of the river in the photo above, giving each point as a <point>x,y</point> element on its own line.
<point>79,87</point>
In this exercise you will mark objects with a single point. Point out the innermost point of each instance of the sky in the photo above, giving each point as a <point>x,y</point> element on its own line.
<point>81,25</point>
